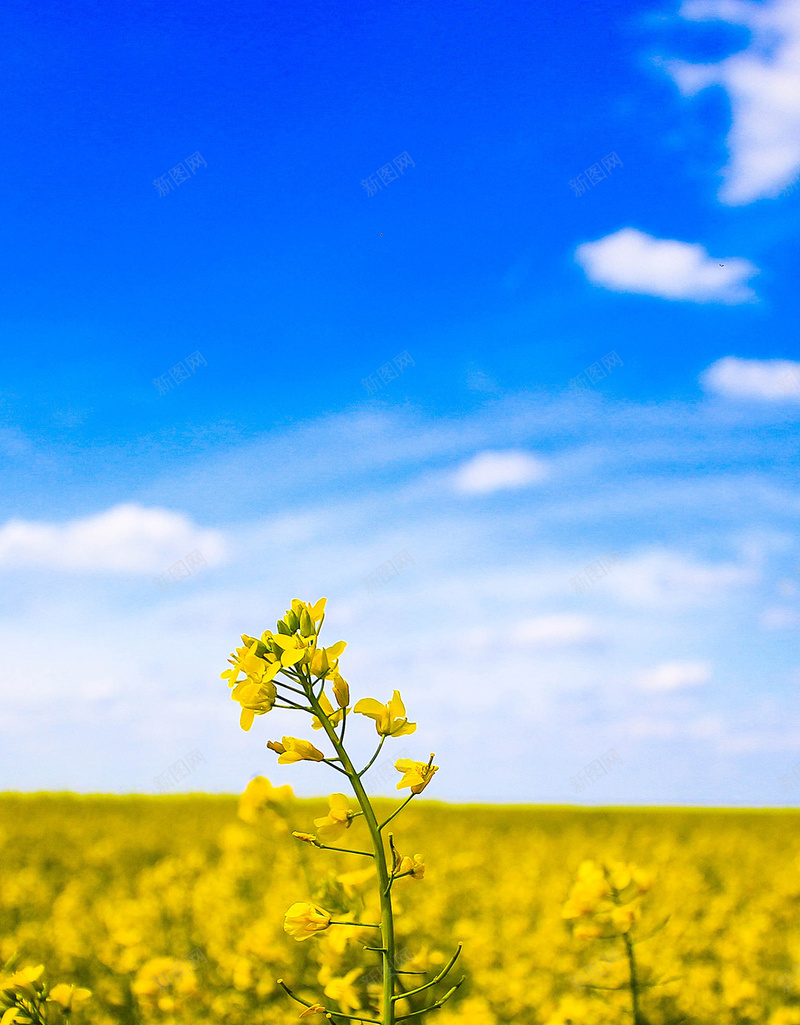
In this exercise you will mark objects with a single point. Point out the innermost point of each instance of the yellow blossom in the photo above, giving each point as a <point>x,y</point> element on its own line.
<point>351,881</point>
<point>313,1009</point>
<point>68,995</point>
<point>624,918</point>
<point>255,699</point>
<point>334,717</point>
<point>341,691</point>
<point>417,775</point>
<point>390,719</point>
<point>260,794</point>
<point>24,976</point>
<point>303,920</point>
<point>254,660</point>
<point>325,661</point>
<point>295,750</point>
<point>293,649</point>
<point>414,867</point>
<point>342,990</point>
<point>338,819</point>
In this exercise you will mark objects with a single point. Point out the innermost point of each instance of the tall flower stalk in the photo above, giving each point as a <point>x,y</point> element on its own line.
<point>605,903</point>
<point>289,669</point>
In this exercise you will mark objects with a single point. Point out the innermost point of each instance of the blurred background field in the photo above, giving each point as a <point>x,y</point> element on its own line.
<point>170,909</point>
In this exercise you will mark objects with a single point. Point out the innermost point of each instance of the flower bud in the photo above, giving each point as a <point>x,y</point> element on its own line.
<point>276,746</point>
<point>306,626</point>
<point>341,692</point>
<point>291,620</point>
<point>283,628</point>
<point>307,838</point>
<point>320,663</point>
<point>250,641</point>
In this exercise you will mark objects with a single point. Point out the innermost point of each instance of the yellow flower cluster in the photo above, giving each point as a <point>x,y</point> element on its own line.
<point>115,894</point>
<point>27,999</point>
<point>260,660</point>
<point>605,900</point>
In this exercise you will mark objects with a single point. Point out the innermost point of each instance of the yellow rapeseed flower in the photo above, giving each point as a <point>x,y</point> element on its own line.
<point>260,794</point>
<point>341,691</point>
<point>255,699</point>
<point>67,996</point>
<point>390,719</point>
<point>342,990</point>
<point>334,717</point>
<point>303,920</point>
<point>338,819</point>
<point>254,660</point>
<point>414,868</point>
<point>325,661</point>
<point>295,750</point>
<point>351,881</point>
<point>417,775</point>
<point>293,649</point>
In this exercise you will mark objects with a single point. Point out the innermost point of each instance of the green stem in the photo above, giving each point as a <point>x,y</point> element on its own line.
<point>387,920</point>
<point>386,823</point>
<point>634,980</point>
<point>370,762</point>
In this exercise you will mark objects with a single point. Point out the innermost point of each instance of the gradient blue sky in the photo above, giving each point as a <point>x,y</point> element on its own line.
<point>500,480</point>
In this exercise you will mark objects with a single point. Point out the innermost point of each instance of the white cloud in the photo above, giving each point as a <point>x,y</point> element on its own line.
<point>675,676</point>
<point>496,471</point>
<point>559,631</point>
<point>125,539</point>
<point>671,581</point>
<point>763,85</point>
<point>631,261</point>
<point>768,379</point>
<point>778,619</point>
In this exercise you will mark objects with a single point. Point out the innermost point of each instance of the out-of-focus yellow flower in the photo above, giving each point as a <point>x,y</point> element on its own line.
<point>67,996</point>
<point>624,918</point>
<point>342,990</point>
<point>334,717</point>
<point>22,977</point>
<point>338,819</point>
<point>260,794</point>
<point>352,881</point>
<point>413,868</point>
<point>303,920</point>
<point>314,1009</point>
<point>390,719</point>
<point>293,749</point>
<point>605,899</point>
<point>416,775</point>
<point>589,891</point>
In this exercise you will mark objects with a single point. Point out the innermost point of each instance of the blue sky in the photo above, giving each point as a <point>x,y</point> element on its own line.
<point>604,192</point>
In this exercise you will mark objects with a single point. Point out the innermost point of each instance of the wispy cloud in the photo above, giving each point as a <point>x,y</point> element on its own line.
<point>561,631</point>
<point>768,379</point>
<point>499,471</point>
<point>126,539</point>
<point>763,84</point>
<point>631,261</point>
<point>672,676</point>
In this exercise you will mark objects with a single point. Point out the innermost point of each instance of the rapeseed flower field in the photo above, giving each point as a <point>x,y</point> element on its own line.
<point>171,909</point>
